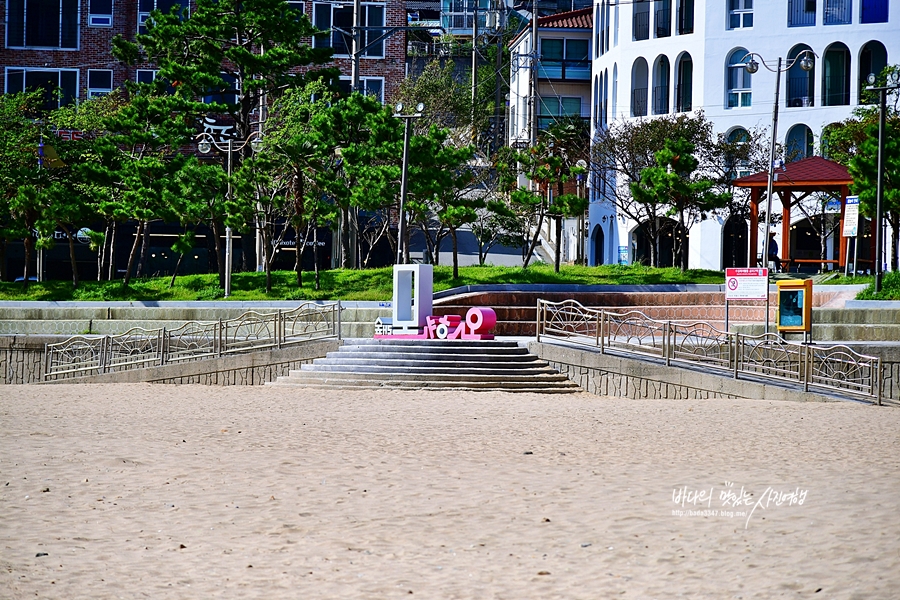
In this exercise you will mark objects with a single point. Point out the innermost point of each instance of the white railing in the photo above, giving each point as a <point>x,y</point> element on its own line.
<point>81,356</point>
<point>833,368</point>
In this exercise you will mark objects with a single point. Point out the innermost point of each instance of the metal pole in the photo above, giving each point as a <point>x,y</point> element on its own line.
<point>534,72</point>
<point>228,239</point>
<point>474,63</point>
<point>879,193</point>
<point>402,250</point>
<point>771,172</point>
<point>357,47</point>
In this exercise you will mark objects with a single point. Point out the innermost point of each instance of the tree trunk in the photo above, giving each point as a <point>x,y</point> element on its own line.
<point>133,254</point>
<point>557,250</point>
<point>111,272</point>
<point>316,254</point>
<point>682,243</point>
<point>455,253</point>
<point>534,240</point>
<point>345,238</point>
<point>2,259</point>
<point>145,245</point>
<point>220,260</point>
<point>101,253</point>
<point>28,242</point>
<point>894,219</point>
<point>298,256</point>
<point>71,240</point>
<point>175,272</point>
<point>267,256</point>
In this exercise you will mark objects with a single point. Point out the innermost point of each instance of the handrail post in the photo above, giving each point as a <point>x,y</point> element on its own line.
<point>220,337</point>
<point>604,322</point>
<point>278,329</point>
<point>46,372</point>
<point>161,340</point>
<point>104,349</point>
<point>338,320</point>
<point>537,322</point>
<point>807,354</point>
<point>876,381</point>
<point>667,343</point>
<point>599,325</point>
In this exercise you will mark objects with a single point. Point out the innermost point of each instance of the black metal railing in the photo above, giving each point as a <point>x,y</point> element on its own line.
<point>639,102</point>
<point>579,70</point>
<point>683,100</point>
<point>663,22</point>
<point>685,17</point>
<point>660,99</point>
<point>799,15</point>
<point>641,25</point>
<point>838,12</point>
<point>837,92</point>
<point>800,91</point>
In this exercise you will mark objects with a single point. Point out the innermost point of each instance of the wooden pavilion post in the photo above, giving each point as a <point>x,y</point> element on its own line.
<point>755,194</point>
<point>786,198</point>
<point>842,257</point>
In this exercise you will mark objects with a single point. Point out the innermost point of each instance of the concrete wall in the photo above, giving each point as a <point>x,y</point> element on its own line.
<point>609,375</point>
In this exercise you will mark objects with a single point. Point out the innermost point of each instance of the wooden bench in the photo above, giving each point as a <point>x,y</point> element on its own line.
<point>807,261</point>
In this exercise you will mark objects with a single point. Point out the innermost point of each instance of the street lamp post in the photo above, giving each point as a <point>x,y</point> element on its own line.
<point>402,250</point>
<point>893,83</point>
<point>205,145</point>
<point>752,66</point>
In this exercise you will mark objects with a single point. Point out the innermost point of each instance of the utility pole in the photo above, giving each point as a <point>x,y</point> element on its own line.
<point>356,50</point>
<point>534,72</point>
<point>497,77</point>
<point>474,65</point>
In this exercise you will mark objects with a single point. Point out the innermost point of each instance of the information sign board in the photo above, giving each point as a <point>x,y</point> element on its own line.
<point>746,284</point>
<point>851,216</point>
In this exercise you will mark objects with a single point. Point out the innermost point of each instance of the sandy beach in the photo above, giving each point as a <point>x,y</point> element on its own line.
<point>151,491</point>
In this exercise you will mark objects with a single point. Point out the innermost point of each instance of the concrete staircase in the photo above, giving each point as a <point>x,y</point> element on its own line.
<point>432,365</point>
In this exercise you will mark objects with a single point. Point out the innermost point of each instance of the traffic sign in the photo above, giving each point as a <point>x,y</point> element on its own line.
<point>746,284</point>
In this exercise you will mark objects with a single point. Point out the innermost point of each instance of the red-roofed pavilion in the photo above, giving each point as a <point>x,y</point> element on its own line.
<point>803,177</point>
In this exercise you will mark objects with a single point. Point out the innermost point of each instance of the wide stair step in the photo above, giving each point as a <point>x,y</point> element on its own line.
<point>431,364</point>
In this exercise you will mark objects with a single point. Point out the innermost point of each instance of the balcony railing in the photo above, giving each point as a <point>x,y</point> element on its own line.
<point>639,102</point>
<point>838,12</point>
<point>660,99</point>
<point>642,25</point>
<point>837,92</point>
<point>579,70</point>
<point>545,121</point>
<point>800,92</point>
<point>683,101</point>
<point>799,16</point>
<point>663,22</point>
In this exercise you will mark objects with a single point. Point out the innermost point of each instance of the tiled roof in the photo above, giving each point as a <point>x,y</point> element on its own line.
<point>575,19</point>
<point>811,171</point>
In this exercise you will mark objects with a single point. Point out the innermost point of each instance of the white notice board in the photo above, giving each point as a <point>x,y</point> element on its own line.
<point>746,284</point>
<point>851,216</point>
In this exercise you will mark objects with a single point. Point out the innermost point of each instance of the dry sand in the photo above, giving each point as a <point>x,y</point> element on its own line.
<point>153,491</point>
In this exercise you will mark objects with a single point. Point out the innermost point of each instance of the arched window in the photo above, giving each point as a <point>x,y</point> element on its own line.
<point>615,89</point>
<point>735,162</point>
<point>684,83</point>
<point>661,86</point>
<point>799,143</point>
<point>598,87</point>
<point>605,106</point>
<point>737,81</point>
<point>639,88</point>
<point>836,74</point>
<point>872,59</point>
<point>801,88</point>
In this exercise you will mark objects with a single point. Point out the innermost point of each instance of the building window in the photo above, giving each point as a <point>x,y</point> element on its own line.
<point>872,59</point>
<point>641,20</point>
<point>801,13</point>
<point>738,82</point>
<point>145,7</point>
<point>145,76</point>
<point>338,19</point>
<point>662,19</point>
<point>800,83</point>
<point>459,14</point>
<point>297,5</point>
<point>684,84</point>
<point>100,13</point>
<point>639,78</point>
<point>100,82</point>
<point>565,59</point>
<point>227,93</point>
<point>836,70</point>
<point>42,24</point>
<point>740,14</point>
<point>734,166</point>
<point>838,12</point>
<point>60,86</point>
<point>661,86</point>
<point>370,86</point>
<point>685,17</point>
<point>799,143</point>
<point>874,11</point>
<point>557,106</point>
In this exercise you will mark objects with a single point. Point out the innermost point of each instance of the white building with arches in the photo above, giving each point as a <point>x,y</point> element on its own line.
<point>658,57</point>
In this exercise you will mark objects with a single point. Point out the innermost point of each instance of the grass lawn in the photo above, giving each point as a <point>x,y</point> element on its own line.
<point>341,284</point>
<point>890,286</point>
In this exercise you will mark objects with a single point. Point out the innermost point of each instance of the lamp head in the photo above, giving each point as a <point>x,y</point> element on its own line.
<point>894,77</point>
<point>420,107</point>
<point>806,63</point>
<point>752,66</point>
<point>204,146</point>
<point>871,78</point>
<point>256,144</point>
<point>398,108</point>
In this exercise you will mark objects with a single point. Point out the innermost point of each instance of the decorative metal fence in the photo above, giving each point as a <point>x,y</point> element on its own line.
<point>834,368</point>
<point>80,356</point>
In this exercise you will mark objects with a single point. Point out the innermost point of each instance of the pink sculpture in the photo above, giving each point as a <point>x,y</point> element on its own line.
<point>478,323</point>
